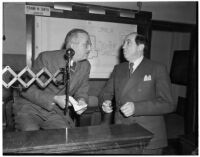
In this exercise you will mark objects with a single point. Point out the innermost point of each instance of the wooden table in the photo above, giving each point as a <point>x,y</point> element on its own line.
<point>99,139</point>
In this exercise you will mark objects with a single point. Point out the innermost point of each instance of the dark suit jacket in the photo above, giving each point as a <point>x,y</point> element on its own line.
<point>149,88</point>
<point>41,98</point>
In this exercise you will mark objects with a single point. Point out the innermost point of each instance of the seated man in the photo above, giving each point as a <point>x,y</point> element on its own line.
<point>43,108</point>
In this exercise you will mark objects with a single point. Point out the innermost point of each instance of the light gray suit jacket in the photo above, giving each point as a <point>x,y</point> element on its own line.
<point>149,88</point>
<point>42,98</point>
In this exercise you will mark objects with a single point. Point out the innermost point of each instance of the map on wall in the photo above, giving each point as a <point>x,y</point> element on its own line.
<point>107,39</point>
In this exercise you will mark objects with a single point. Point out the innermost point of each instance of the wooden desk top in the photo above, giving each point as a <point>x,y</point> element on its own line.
<point>76,140</point>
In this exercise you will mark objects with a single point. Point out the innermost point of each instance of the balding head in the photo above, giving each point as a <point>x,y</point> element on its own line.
<point>133,46</point>
<point>73,36</point>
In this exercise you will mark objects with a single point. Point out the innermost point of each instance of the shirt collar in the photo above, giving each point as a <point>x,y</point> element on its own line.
<point>137,62</point>
<point>73,65</point>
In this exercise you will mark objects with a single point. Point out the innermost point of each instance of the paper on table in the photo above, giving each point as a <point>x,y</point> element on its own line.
<point>75,104</point>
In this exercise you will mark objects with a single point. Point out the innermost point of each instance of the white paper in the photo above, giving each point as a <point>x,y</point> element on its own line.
<point>75,104</point>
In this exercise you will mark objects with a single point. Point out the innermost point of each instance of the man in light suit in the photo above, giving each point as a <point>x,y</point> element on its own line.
<point>142,92</point>
<point>43,108</point>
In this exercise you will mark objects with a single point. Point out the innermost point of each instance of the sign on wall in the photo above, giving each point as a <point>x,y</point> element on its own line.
<point>37,10</point>
<point>107,39</point>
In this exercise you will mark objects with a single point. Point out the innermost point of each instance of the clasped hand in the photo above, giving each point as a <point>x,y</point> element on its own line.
<point>60,100</point>
<point>107,106</point>
<point>128,109</point>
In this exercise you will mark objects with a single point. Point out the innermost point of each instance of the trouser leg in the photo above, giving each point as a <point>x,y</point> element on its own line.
<point>26,122</point>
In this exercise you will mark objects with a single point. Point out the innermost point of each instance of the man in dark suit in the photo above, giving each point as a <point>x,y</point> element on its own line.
<point>142,92</point>
<point>43,108</point>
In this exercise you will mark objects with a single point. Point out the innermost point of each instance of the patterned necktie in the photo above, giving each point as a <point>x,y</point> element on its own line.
<point>131,67</point>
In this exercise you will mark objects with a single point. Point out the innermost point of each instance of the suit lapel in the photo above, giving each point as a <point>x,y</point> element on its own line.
<point>74,75</point>
<point>123,77</point>
<point>73,79</point>
<point>135,78</point>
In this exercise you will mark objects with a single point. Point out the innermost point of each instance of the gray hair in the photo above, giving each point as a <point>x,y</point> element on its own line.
<point>73,34</point>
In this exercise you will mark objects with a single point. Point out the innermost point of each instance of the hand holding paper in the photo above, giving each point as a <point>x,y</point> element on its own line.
<point>79,106</point>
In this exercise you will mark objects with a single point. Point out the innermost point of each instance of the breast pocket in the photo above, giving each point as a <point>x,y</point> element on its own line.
<point>146,87</point>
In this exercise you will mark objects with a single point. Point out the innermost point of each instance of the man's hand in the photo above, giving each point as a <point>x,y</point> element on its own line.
<point>60,100</point>
<point>128,109</point>
<point>107,106</point>
<point>81,102</point>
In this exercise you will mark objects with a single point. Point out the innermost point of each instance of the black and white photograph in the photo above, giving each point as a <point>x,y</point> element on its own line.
<point>100,78</point>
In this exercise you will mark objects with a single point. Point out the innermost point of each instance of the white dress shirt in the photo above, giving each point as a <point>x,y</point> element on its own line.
<point>137,62</point>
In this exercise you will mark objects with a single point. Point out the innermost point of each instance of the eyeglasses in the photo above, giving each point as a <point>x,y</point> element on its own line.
<point>85,45</point>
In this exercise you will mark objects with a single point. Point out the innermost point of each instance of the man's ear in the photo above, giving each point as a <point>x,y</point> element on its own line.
<point>141,47</point>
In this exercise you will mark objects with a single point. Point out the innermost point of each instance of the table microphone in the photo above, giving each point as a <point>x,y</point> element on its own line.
<point>68,56</point>
<point>69,53</point>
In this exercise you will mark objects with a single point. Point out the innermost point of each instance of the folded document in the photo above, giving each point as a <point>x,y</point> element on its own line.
<point>75,104</point>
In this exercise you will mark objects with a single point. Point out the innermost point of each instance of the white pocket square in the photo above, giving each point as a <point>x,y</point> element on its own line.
<point>147,78</point>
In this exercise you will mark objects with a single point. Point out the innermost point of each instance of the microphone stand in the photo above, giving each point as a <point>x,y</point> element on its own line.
<point>67,76</point>
<point>67,79</point>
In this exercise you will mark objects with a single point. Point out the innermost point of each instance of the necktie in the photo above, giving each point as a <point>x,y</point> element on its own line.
<point>131,67</point>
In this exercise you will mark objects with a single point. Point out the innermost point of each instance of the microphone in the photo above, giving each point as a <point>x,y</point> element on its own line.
<point>68,56</point>
<point>69,53</point>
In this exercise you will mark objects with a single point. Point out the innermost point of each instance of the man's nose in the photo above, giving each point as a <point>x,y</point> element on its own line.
<point>89,47</point>
<point>123,46</point>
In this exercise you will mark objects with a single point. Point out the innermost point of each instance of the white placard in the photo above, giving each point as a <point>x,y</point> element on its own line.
<point>37,10</point>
